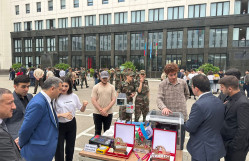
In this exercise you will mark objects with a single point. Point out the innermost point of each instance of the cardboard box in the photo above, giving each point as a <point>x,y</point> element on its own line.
<point>167,140</point>
<point>127,133</point>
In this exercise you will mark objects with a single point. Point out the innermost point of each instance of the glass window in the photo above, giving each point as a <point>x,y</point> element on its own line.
<point>50,5</point>
<point>121,0</point>
<point>90,2</point>
<point>175,12</point>
<point>76,61</point>
<point>17,9</point>
<point>156,14</point>
<point>18,45</point>
<point>105,61</point>
<point>76,22</point>
<point>18,59</point>
<point>218,60</point>
<point>90,62</point>
<point>220,8</point>
<point>174,39</point>
<point>198,10</point>
<point>63,59</point>
<point>196,38</point>
<point>237,7</point>
<point>50,44</point>
<point>76,3</point>
<point>38,6</point>
<point>63,4</point>
<point>62,22</point>
<point>174,58</point>
<point>104,1</point>
<point>194,61</point>
<point>105,42</point>
<point>51,24</point>
<point>27,8</point>
<point>17,26</point>
<point>28,61</point>
<point>39,25</point>
<point>138,61</point>
<point>119,60</point>
<point>218,37</point>
<point>90,43</point>
<point>137,41</point>
<point>38,60</point>
<point>121,42</point>
<point>28,25</point>
<point>105,19</point>
<point>120,18</point>
<point>76,43</point>
<point>39,44</point>
<point>28,45</point>
<point>90,20</point>
<point>63,43</point>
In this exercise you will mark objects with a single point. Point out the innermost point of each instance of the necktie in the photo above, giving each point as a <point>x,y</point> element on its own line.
<point>4,126</point>
<point>53,111</point>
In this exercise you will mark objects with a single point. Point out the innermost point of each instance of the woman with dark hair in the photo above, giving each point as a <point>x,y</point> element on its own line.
<point>65,107</point>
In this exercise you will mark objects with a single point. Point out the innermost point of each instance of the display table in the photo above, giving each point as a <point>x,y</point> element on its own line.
<point>83,154</point>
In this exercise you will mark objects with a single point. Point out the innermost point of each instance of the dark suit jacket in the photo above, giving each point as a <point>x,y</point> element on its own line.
<point>15,122</point>
<point>223,97</point>
<point>235,130</point>
<point>204,124</point>
<point>38,135</point>
<point>8,148</point>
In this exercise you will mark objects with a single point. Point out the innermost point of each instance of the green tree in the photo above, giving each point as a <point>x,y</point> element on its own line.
<point>209,67</point>
<point>62,66</point>
<point>17,66</point>
<point>129,64</point>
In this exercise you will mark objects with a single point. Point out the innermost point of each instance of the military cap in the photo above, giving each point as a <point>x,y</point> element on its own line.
<point>129,73</point>
<point>142,72</point>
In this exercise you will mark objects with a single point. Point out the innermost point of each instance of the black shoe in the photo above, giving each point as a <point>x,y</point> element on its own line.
<point>34,93</point>
<point>87,86</point>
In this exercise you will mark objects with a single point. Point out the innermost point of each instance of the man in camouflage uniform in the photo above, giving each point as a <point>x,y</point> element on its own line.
<point>137,75</point>
<point>118,78</point>
<point>128,88</point>
<point>83,77</point>
<point>142,98</point>
<point>111,75</point>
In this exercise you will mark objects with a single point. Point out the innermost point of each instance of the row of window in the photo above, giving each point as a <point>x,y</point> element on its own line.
<point>194,11</point>
<point>174,40</point>
<point>192,61</point>
<point>62,5</point>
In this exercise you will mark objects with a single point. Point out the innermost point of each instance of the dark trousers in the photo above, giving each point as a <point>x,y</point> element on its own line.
<point>236,155</point>
<point>99,120</point>
<point>38,82</point>
<point>246,88</point>
<point>83,80</point>
<point>67,131</point>
<point>32,81</point>
<point>74,86</point>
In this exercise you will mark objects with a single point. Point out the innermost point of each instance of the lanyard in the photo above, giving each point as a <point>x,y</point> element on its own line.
<point>138,157</point>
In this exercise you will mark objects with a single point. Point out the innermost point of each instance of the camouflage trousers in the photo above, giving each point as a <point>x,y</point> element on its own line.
<point>141,108</point>
<point>117,85</point>
<point>123,115</point>
<point>83,80</point>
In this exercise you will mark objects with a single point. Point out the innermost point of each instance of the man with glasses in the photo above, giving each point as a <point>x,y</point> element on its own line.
<point>21,99</point>
<point>142,98</point>
<point>128,87</point>
<point>103,98</point>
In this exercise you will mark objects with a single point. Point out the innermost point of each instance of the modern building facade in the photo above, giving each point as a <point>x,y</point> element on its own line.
<point>106,33</point>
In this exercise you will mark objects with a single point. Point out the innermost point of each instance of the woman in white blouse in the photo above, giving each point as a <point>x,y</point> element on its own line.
<point>65,107</point>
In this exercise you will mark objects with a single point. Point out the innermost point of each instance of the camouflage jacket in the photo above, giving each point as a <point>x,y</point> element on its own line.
<point>117,76</point>
<point>128,89</point>
<point>143,95</point>
<point>111,76</point>
<point>82,74</point>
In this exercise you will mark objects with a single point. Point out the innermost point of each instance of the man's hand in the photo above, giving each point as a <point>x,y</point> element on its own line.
<point>17,143</point>
<point>133,94</point>
<point>166,111</point>
<point>141,79</point>
<point>103,113</point>
<point>85,103</point>
<point>68,115</point>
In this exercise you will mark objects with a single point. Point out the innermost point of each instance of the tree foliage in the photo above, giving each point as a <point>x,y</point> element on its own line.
<point>129,64</point>
<point>209,67</point>
<point>17,66</point>
<point>62,66</point>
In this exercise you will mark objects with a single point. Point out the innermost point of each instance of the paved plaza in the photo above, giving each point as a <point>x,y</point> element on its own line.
<point>85,125</point>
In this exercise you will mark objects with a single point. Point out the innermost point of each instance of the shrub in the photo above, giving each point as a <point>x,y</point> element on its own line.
<point>129,64</point>
<point>91,72</point>
<point>62,66</point>
<point>209,67</point>
<point>17,66</point>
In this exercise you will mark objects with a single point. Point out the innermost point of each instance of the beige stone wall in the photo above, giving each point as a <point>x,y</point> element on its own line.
<point>5,29</point>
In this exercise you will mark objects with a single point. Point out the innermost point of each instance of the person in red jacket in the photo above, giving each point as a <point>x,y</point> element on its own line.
<point>19,73</point>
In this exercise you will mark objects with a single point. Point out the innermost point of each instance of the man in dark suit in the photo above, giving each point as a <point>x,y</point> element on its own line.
<point>235,130</point>
<point>204,124</point>
<point>8,149</point>
<point>21,99</point>
<point>234,72</point>
<point>38,135</point>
